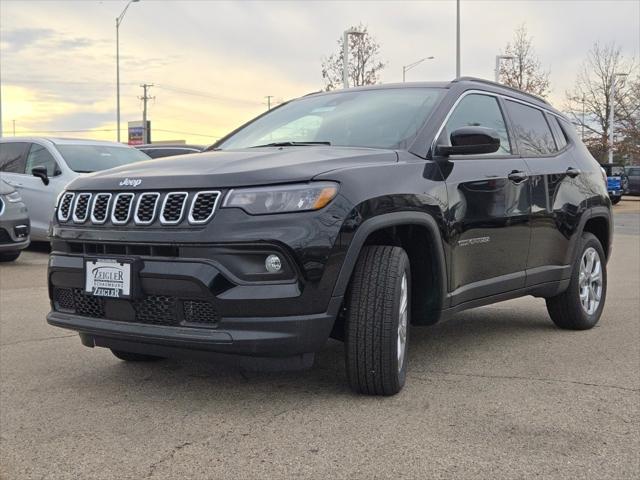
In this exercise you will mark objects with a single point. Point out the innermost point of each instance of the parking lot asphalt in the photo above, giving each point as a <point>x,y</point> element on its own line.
<point>496,392</point>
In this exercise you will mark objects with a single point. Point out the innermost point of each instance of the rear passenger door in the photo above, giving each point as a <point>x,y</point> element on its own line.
<point>489,205</point>
<point>555,194</point>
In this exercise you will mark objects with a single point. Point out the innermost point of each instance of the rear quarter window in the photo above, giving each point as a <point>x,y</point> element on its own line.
<point>531,130</point>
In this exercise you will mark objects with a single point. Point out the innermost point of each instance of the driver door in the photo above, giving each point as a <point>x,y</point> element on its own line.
<point>489,206</point>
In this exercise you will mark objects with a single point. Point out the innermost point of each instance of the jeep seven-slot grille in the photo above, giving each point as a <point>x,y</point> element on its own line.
<point>173,207</point>
<point>146,208</point>
<point>82,207</point>
<point>202,207</point>
<point>139,208</point>
<point>122,208</point>
<point>64,212</point>
<point>149,309</point>
<point>100,210</point>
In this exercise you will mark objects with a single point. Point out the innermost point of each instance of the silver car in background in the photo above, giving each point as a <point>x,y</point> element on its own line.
<point>39,168</point>
<point>14,223</point>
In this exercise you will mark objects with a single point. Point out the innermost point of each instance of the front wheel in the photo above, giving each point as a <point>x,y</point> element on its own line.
<point>377,321</point>
<point>615,200</point>
<point>580,306</point>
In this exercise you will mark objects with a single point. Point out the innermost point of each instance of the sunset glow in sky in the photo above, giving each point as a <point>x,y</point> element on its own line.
<point>213,63</point>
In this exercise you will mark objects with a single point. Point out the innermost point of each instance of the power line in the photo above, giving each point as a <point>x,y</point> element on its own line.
<point>197,93</point>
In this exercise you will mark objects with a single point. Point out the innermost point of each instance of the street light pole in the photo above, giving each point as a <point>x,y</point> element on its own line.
<point>345,55</point>
<point>406,68</point>
<point>457,38</point>
<point>611,108</point>
<point>498,59</point>
<point>118,22</point>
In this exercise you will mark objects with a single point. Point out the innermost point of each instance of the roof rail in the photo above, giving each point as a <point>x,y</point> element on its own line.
<point>496,84</point>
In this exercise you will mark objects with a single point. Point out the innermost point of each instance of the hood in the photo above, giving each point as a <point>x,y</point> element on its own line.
<point>221,169</point>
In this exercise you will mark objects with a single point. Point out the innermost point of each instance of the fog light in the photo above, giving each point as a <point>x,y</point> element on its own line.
<point>273,264</point>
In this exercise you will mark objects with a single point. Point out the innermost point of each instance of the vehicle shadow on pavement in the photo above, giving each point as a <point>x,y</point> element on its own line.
<point>446,343</point>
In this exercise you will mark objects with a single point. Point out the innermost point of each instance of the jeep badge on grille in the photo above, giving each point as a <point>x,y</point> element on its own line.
<point>130,182</point>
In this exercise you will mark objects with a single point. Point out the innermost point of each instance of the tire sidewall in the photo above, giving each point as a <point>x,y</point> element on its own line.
<point>589,241</point>
<point>402,372</point>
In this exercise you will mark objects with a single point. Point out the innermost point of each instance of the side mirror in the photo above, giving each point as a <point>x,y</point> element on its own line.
<point>40,172</point>
<point>470,141</point>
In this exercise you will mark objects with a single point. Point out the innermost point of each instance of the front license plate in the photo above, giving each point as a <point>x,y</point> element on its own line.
<point>108,278</point>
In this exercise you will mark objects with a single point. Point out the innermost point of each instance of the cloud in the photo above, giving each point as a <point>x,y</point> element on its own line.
<point>20,38</point>
<point>220,59</point>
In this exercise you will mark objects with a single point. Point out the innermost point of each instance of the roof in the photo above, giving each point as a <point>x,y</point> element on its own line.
<point>169,145</point>
<point>468,81</point>
<point>65,141</point>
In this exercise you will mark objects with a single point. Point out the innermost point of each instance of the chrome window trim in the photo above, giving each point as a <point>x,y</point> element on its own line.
<point>115,203</point>
<point>1,206</point>
<point>93,207</point>
<point>137,220</point>
<point>164,202</point>
<point>62,218</point>
<point>491,94</point>
<point>75,217</point>
<point>213,209</point>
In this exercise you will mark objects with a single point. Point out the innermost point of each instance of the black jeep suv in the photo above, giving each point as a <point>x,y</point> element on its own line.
<point>351,214</point>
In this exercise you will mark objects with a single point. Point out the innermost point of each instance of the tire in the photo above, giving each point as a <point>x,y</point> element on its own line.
<point>615,200</point>
<point>135,357</point>
<point>567,310</point>
<point>373,317</point>
<point>9,256</point>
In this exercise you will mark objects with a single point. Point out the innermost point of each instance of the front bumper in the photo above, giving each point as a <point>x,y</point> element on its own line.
<point>254,319</point>
<point>14,233</point>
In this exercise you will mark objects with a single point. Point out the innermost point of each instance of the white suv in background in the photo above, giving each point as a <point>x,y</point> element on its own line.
<point>39,168</point>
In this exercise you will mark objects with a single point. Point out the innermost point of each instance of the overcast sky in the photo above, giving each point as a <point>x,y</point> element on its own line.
<point>213,62</point>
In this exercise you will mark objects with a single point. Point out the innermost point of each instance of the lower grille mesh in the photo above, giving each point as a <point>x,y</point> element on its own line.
<point>150,309</point>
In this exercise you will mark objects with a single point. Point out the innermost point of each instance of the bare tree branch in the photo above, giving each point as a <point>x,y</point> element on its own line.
<point>525,70</point>
<point>364,66</point>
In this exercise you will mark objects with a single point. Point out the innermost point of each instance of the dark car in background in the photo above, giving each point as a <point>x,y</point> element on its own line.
<point>14,223</point>
<point>617,181</point>
<point>633,175</point>
<point>158,151</point>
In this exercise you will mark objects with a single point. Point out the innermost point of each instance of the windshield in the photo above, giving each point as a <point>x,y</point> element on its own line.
<point>92,158</point>
<point>385,118</point>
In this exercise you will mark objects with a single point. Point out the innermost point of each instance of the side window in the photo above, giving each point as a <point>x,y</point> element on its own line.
<point>561,137</point>
<point>13,156</point>
<point>39,156</point>
<point>531,130</point>
<point>477,110</point>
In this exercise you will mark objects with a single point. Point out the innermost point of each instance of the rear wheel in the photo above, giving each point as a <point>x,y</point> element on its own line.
<point>580,306</point>
<point>135,357</point>
<point>9,256</point>
<point>377,321</point>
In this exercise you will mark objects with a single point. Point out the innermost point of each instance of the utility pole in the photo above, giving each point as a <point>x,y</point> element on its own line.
<point>118,22</point>
<point>345,54</point>
<point>144,98</point>
<point>457,38</point>
<point>14,128</point>
<point>269,97</point>
<point>612,95</point>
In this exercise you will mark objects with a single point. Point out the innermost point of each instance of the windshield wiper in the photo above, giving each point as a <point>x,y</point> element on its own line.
<point>291,144</point>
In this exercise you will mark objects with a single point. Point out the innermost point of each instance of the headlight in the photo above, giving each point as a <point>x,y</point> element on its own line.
<point>282,198</point>
<point>13,197</point>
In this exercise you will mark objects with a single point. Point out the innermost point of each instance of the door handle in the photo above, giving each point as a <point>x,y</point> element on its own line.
<point>573,172</point>
<point>517,176</point>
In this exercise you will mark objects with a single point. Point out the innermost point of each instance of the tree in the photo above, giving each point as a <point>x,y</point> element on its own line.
<point>364,65</point>
<point>592,94</point>
<point>525,70</point>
